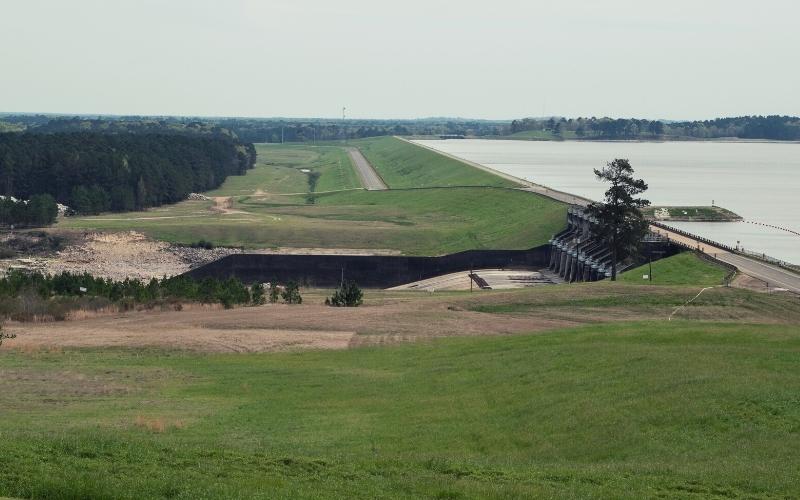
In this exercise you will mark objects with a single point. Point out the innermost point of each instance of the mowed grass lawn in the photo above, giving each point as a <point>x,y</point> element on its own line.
<point>404,165</point>
<point>631,410</point>
<point>682,269</point>
<point>418,222</point>
<point>279,170</point>
<point>272,209</point>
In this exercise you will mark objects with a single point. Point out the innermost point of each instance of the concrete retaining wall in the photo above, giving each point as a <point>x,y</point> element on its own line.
<point>367,271</point>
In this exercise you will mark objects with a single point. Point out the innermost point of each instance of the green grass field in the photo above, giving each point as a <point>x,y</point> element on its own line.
<point>404,165</point>
<point>419,222</point>
<point>271,207</point>
<point>632,410</point>
<point>278,170</point>
<point>682,269</point>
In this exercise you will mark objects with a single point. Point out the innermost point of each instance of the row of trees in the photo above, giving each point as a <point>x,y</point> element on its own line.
<point>97,172</point>
<point>745,127</point>
<point>40,210</point>
<point>229,292</point>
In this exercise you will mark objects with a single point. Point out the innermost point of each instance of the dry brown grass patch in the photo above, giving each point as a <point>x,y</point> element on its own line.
<point>158,424</point>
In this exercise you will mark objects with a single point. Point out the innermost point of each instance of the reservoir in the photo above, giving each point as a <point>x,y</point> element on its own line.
<point>760,181</point>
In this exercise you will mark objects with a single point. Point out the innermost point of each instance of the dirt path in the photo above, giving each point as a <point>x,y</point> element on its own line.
<point>369,177</point>
<point>224,205</point>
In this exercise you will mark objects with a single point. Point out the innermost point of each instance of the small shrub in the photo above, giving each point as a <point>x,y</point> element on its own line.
<point>7,253</point>
<point>348,295</point>
<point>4,335</point>
<point>257,294</point>
<point>203,244</point>
<point>274,293</point>
<point>291,294</point>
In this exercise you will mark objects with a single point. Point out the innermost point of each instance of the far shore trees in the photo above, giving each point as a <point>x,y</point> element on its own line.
<point>620,223</point>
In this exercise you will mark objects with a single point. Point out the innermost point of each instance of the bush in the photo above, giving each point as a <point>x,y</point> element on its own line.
<point>4,335</point>
<point>348,295</point>
<point>257,294</point>
<point>274,293</point>
<point>291,294</point>
<point>203,244</point>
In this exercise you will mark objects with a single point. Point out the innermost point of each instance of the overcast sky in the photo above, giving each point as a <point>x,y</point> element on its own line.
<point>673,59</point>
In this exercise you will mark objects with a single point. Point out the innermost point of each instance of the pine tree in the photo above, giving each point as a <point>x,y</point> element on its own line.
<point>620,223</point>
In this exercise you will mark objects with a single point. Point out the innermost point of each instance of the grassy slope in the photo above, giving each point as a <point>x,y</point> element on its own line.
<point>622,411</point>
<point>424,222</point>
<point>418,222</point>
<point>404,165</point>
<point>682,269</point>
<point>278,167</point>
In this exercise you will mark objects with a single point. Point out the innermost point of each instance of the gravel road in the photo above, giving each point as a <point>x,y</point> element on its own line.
<point>369,177</point>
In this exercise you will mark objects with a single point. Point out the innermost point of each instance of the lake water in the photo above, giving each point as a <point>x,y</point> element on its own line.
<point>759,181</point>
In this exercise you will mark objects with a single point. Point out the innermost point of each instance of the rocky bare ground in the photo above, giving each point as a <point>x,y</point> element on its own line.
<point>110,255</point>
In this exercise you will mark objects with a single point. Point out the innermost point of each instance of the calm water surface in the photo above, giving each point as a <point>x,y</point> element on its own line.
<point>759,181</point>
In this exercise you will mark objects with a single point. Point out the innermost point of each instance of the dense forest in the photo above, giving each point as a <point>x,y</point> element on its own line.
<point>96,172</point>
<point>779,128</point>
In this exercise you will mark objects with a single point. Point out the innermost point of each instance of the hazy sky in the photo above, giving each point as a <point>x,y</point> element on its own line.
<point>670,59</point>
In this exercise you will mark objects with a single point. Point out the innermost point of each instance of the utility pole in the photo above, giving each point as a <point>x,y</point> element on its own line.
<point>344,129</point>
<point>281,134</point>
<point>470,278</point>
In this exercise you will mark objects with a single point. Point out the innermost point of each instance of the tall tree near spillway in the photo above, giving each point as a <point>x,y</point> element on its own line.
<point>620,223</point>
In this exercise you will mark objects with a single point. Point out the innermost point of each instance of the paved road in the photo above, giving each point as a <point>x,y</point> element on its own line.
<point>369,177</point>
<point>775,276</point>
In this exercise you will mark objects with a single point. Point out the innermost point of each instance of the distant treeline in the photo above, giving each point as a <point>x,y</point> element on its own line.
<point>94,172</point>
<point>779,128</point>
<point>309,130</point>
<point>256,129</point>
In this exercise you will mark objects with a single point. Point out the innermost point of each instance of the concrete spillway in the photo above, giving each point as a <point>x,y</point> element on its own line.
<point>576,255</point>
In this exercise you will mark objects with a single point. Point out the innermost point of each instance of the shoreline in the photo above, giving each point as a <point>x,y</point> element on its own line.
<point>731,140</point>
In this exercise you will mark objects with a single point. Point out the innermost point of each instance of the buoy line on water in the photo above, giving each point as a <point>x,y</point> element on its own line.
<point>796,233</point>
